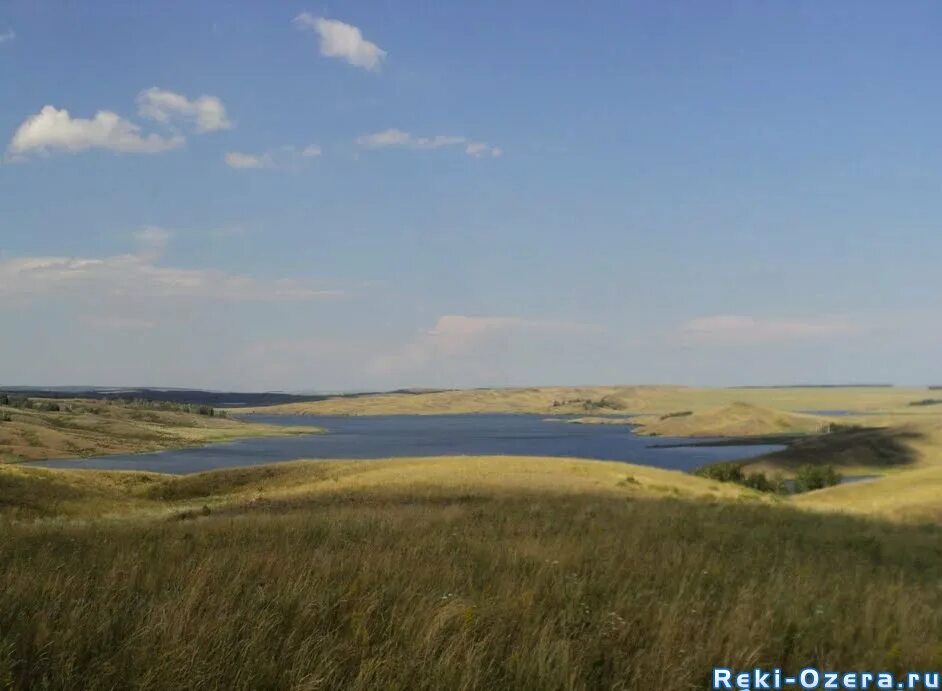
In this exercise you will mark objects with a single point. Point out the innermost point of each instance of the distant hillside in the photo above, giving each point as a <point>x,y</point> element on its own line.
<point>732,420</point>
<point>218,399</point>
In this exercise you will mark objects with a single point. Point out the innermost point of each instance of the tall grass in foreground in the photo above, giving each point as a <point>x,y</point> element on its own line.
<point>430,590</point>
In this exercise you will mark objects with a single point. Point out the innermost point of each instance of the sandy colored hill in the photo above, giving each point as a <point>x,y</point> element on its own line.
<point>548,400</point>
<point>30,492</point>
<point>733,420</point>
<point>608,400</point>
<point>93,428</point>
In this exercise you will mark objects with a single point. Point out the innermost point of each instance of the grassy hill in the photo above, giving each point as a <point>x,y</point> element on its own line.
<point>77,427</point>
<point>907,458</point>
<point>733,420</point>
<point>31,492</point>
<point>658,400</point>
<point>486,573</point>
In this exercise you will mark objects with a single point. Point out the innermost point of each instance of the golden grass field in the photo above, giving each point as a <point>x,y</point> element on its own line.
<point>94,428</point>
<point>658,400</point>
<point>482,572</point>
<point>464,573</point>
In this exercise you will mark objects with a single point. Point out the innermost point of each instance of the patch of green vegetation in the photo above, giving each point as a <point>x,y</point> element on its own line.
<point>603,403</point>
<point>193,408</point>
<point>731,471</point>
<point>679,413</point>
<point>927,401</point>
<point>812,477</point>
<point>808,477</point>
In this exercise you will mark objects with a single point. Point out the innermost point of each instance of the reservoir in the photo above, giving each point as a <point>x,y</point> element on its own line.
<point>427,435</point>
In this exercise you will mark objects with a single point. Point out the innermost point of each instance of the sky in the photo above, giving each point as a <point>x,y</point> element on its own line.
<point>368,195</point>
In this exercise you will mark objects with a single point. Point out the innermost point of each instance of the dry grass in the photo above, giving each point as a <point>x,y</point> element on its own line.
<point>907,496</point>
<point>733,420</point>
<point>93,428</point>
<point>636,399</point>
<point>462,573</point>
<point>31,492</point>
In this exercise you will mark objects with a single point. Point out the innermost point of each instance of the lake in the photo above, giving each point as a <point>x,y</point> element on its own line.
<point>426,435</point>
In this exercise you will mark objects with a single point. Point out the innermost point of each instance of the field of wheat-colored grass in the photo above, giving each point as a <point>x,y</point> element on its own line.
<point>463,573</point>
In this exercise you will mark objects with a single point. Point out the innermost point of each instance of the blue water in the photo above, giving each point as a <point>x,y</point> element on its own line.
<point>426,435</point>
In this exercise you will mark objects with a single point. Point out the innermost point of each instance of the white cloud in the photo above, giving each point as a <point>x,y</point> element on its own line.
<point>206,112</point>
<point>340,40</point>
<point>284,157</point>
<point>398,138</point>
<point>481,149</point>
<point>734,329</point>
<point>52,129</point>
<point>139,275</point>
<point>7,36</point>
<point>241,161</point>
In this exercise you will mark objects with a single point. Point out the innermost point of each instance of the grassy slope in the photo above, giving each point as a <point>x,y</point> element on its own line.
<point>528,400</point>
<point>456,573</point>
<point>732,420</point>
<point>636,399</point>
<point>909,491</point>
<point>94,428</point>
<point>30,492</point>
<point>911,496</point>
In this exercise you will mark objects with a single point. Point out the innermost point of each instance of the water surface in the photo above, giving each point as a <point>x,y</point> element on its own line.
<point>426,435</point>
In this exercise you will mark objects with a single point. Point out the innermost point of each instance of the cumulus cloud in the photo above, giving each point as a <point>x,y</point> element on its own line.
<point>735,329</point>
<point>344,41</point>
<point>398,138</point>
<point>52,129</point>
<point>460,338</point>
<point>139,275</point>
<point>7,36</point>
<point>206,113</point>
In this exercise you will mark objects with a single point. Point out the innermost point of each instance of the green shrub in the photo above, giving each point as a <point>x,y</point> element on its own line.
<point>811,477</point>
<point>723,472</point>
<point>759,482</point>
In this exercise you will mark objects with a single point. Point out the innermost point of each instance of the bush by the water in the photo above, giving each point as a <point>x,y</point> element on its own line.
<point>807,478</point>
<point>733,472</point>
<point>811,477</point>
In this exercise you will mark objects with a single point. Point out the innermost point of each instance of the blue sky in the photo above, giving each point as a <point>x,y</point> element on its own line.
<point>358,195</point>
